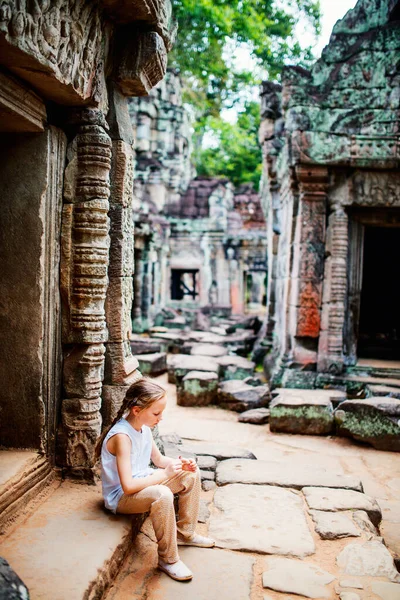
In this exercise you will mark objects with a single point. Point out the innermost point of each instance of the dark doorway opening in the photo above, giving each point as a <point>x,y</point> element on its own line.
<point>184,284</point>
<point>379,330</point>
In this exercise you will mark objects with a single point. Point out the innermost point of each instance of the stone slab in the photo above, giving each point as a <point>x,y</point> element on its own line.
<point>372,420</point>
<point>219,451</point>
<point>291,475</point>
<point>213,350</point>
<point>197,388</point>
<point>331,526</point>
<point>263,519</point>
<point>204,513</point>
<point>301,413</point>
<point>351,583</point>
<point>371,559</point>
<point>386,590</point>
<point>305,579</point>
<point>152,364</point>
<point>59,550</point>
<point>208,486</point>
<point>207,475</point>
<point>255,416</point>
<point>207,463</point>
<point>238,396</point>
<point>181,364</point>
<point>235,367</point>
<point>338,499</point>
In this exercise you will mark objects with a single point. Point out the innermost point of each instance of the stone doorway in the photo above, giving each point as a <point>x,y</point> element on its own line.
<point>31,170</point>
<point>379,327</point>
<point>184,284</point>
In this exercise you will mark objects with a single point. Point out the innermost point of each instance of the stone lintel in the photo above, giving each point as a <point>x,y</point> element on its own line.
<point>21,109</point>
<point>141,61</point>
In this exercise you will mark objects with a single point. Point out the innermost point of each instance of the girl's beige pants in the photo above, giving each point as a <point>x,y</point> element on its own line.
<point>159,500</point>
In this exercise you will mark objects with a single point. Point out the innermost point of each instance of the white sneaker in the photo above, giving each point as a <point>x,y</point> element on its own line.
<point>177,570</point>
<point>197,540</point>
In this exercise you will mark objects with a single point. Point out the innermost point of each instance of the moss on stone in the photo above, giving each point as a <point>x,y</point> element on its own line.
<point>302,412</point>
<point>367,425</point>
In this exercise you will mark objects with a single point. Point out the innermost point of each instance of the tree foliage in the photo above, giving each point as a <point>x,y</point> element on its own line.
<point>209,33</point>
<point>237,154</point>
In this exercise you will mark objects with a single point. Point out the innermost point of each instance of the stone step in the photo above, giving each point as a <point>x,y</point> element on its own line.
<point>152,364</point>
<point>25,477</point>
<point>70,547</point>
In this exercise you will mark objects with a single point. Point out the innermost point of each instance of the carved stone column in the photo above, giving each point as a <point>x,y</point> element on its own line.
<point>137,295</point>
<point>84,262</point>
<point>330,350</point>
<point>120,366</point>
<point>308,263</point>
<point>146,287</point>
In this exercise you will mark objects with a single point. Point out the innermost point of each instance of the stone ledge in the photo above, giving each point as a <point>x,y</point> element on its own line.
<point>73,542</point>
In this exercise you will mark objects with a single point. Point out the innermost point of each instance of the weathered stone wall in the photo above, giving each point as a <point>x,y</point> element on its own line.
<point>330,139</point>
<point>65,51</point>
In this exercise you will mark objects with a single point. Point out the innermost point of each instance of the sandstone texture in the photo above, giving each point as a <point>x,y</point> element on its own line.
<point>198,388</point>
<point>331,526</point>
<point>152,364</point>
<point>213,350</point>
<point>370,559</point>
<point>275,524</point>
<point>386,590</point>
<point>301,413</point>
<point>295,577</point>
<point>256,416</point>
<point>235,367</point>
<point>333,500</point>
<point>180,365</point>
<point>219,451</point>
<point>372,420</point>
<point>238,396</point>
<point>263,472</point>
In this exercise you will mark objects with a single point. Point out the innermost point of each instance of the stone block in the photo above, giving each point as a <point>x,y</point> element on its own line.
<point>198,388</point>
<point>256,416</point>
<point>236,395</point>
<point>372,420</point>
<point>235,367</point>
<point>308,415</point>
<point>294,577</point>
<point>112,398</point>
<point>371,559</point>
<point>152,364</point>
<point>180,365</point>
<point>213,350</point>
<point>292,378</point>
<point>206,463</point>
<point>118,308</point>
<point>144,346</point>
<point>332,526</point>
<point>121,235</point>
<point>274,517</point>
<point>207,475</point>
<point>120,366</point>
<point>341,499</point>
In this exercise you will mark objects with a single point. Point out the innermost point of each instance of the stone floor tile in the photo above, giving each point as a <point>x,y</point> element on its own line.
<point>261,519</point>
<point>331,526</point>
<point>371,558</point>
<point>305,579</point>
<point>386,590</point>
<point>337,499</point>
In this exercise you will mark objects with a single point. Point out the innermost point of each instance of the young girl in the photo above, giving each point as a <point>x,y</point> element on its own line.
<point>130,486</point>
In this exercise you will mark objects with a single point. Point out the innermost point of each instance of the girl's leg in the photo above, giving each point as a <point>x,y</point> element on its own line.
<point>159,499</point>
<point>187,485</point>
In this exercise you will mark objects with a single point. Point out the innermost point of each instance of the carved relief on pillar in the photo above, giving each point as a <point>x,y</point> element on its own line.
<point>63,39</point>
<point>308,250</point>
<point>330,351</point>
<point>84,281</point>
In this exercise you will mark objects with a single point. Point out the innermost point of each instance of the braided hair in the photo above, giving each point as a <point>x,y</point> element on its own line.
<point>142,393</point>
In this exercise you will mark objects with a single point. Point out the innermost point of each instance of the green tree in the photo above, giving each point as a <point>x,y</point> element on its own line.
<point>237,154</point>
<point>209,31</point>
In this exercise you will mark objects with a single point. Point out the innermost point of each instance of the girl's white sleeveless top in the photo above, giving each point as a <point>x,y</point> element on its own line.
<point>140,458</point>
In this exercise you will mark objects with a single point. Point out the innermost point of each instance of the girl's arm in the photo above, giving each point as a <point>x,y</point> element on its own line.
<point>130,485</point>
<point>163,461</point>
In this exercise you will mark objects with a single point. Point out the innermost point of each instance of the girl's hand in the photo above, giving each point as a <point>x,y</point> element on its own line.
<point>174,468</point>
<point>188,464</point>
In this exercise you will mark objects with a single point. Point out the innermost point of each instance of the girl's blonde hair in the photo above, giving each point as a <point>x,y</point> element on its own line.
<point>142,393</point>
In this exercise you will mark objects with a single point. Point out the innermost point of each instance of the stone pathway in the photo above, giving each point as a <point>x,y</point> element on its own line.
<point>303,520</point>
